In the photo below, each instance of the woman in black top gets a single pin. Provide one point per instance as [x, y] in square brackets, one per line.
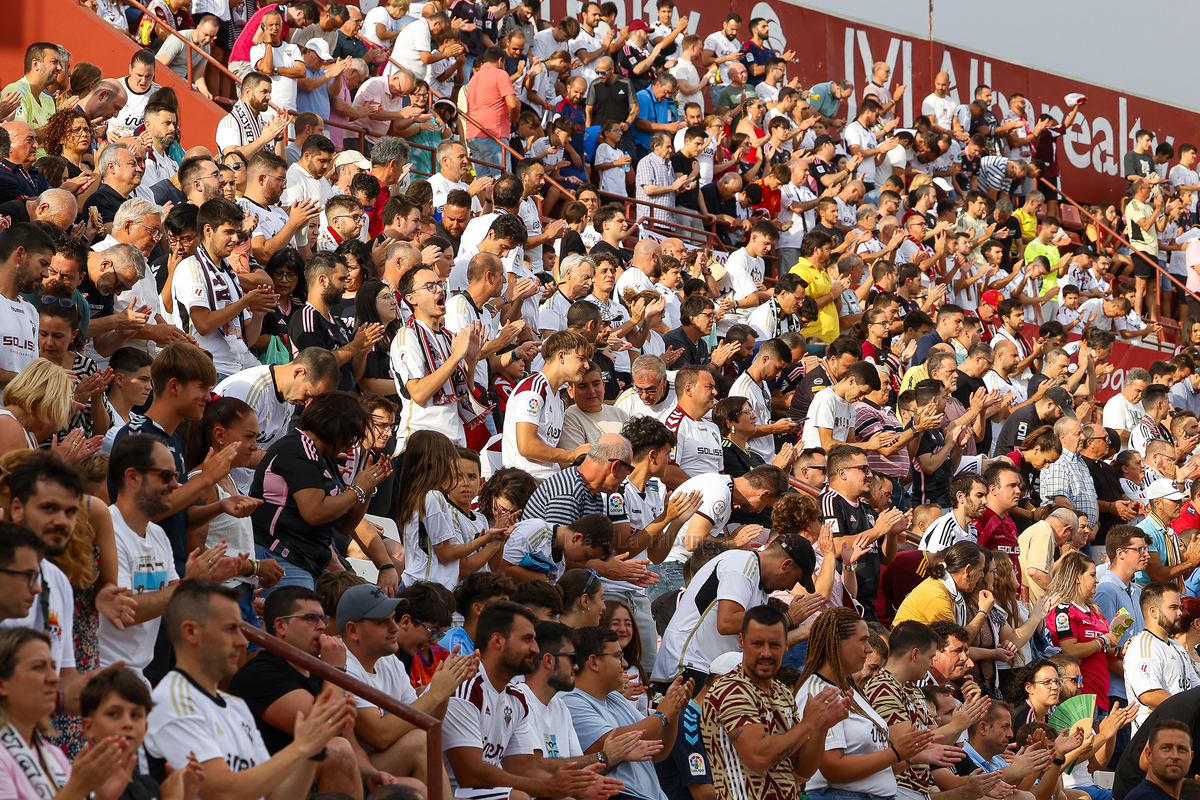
[286, 269]
[735, 419]
[360, 269]
[376, 302]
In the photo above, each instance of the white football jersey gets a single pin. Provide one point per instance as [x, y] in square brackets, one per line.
[533, 401]
[698, 449]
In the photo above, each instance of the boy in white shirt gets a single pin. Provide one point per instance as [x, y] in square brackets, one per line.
[610, 161]
[831, 416]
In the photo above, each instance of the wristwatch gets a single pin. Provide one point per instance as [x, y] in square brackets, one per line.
[602, 759]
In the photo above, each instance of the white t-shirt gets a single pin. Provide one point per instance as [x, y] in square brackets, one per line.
[420, 562]
[144, 564]
[389, 677]
[286, 55]
[61, 625]
[994, 383]
[1121, 414]
[533, 401]
[587, 42]
[414, 38]
[460, 312]
[686, 71]
[789, 195]
[760, 401]
[632, 404]
[378, 16]
[612, 180]
[722, 46]
[863, 733]
[133, 113]
[187, 719]
[940, 110]
[632, 279]
[301, 185]
[642, 507]
[443, 186]
[409, 362]
[691, 640]
[534, 536]
[499, 721]
[256, 388]
[945, 532]
[1153, 664]
[716, 505]
[532, 217]
[827, 411]
[19, 327]
[1095, 306]
[551, 723]
[1183, 176]
[271, 221]
[193, 289]
[698, 444]
[738, 283]
[855, 134]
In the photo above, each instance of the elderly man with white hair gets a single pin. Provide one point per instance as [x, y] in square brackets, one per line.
[56, 206]
[120, 175]
[1068, 482]
[576, 275]
[652, 393]
[387, 96]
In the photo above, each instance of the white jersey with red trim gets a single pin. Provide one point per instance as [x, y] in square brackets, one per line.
[716, 505]
[498, 721]
[698, 449]
[945, 532]
[533, 401]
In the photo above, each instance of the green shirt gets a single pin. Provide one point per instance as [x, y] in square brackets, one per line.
[36, 111]
[1035, 249]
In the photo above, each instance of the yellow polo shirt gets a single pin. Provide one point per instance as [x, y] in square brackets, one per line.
[826, 327]
[927, 603]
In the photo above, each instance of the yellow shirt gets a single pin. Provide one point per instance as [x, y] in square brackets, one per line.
[826, 327]
[927, 603]
[914, 376]
[1029, 226]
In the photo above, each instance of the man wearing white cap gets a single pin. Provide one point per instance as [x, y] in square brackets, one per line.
[348, 164]
[1168, 561]
[314, 90]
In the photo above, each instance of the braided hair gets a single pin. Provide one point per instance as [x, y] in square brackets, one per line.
[825, 639]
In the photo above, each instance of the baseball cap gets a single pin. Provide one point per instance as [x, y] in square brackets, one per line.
[992, 298]
[638, 25]
[725, 663]
[1085, 250]
[823, 140]
[1114, 438]
[1062, 399]
[365, 602]
[801, 551]
[1164, 489]
[352, 157]
[320, 47]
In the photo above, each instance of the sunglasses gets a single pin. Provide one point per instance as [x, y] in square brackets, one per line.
[65, 302]
[164, 475]
[622, 462]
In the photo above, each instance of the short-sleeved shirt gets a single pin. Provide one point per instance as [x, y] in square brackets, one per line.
[59, 620]
[263, 680]
[1036, 544]
[1155, 664]
[862, 733]
[564, 497]
[196, 285]
[485, 97]
[596, 718]
[900, 701]
[19, 327]
[531, 545]
[932, 488]
[37, 110]
[996, 533]
[850, 518]
[945, 532]
[310, 328]
[733, 702]
[698, 447]
[828, 410]
[284, 55]
[716, 506]
[293, 463]
[533, 401]
[1072, 621]
[689, 762]
[477, 716]
[411, 361]
[389, 677]
[175, 51]
[435, 526]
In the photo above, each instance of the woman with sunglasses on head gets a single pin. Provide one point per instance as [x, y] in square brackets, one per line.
[37, 403]
[1077, 625]
[58, 330]
[583, 598]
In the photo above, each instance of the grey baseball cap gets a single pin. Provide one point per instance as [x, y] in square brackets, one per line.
[365, 602]
[1062, 399]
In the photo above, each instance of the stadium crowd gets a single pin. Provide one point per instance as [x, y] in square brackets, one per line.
[659, 426]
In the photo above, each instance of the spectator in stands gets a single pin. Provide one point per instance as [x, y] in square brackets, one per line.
[43, 64]
[657, 181]
[244, 129]
[174, 53]
[495, 107]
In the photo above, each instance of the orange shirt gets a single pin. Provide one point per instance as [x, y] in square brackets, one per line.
[485, 99]
[770, 199]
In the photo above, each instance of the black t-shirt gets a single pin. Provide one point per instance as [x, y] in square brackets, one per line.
[291, 464]
[101, 304]
[967, 386]
[473, 40]
[850, 520]
[1037, 380]
[571, 244]
[16, 210]
[820, 168]
[106, 200]
[141, 787]
[1137, 164]
[608, 373]
[683, 166]
[713, 202]
[812, 383]
[1020, 424]
[694, 353]
[1013, 226]
[264, 679]
[1184, 707]
[275, 321]
[309, 328]
[933, 488]
[379, 367]
[612, 100]
[837, 236]
[604, 247]
[1108, 489]
[165, 192]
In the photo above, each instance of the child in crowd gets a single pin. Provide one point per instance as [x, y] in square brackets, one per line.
[611, 162]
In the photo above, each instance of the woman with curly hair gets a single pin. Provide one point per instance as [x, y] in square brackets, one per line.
[1034, 692]
[69, 134]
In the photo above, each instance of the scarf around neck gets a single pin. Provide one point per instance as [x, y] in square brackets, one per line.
[38, 766]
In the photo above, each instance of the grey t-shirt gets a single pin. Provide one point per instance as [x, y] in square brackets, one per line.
[1138, 164]
[175, 50]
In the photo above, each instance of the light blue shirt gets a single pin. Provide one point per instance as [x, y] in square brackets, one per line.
[594, 718]
[1112, 595]
[654, 110]
[317, 100]
[459, 637]
[994, 764]
[1159, 543]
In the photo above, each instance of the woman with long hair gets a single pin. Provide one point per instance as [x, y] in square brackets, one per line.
[32, 768]
[1040, 448]
[1034, 692]
[286, 269]
[1189, 334]
[798, 513]
[432, 549]
[860, 756]
[376, 302]
[37, 403]
[84, 77]
[58, 330]
[237, 162]
[360, 269]
[1077, 625]
[582, 594]
[1023, 619]
[618, 616]
[1189, 635]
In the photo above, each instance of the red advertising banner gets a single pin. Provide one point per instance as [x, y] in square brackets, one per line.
[832, 48]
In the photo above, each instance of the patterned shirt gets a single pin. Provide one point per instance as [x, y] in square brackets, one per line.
[654, 170]
[897, 702]
[733, 702]
[870, 419]
[1069, 477]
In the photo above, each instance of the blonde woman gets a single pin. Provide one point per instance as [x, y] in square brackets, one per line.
[37, 403]
[1078, 626]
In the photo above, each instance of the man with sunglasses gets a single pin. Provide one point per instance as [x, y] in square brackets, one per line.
[108, 274]
[144, 474]
[275, 689]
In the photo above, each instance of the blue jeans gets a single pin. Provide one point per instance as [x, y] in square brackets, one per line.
[292, 575]
[1096, 793]
[670, 579]
[795, 656]
[486, 149]
[899, 495]
[832, 793]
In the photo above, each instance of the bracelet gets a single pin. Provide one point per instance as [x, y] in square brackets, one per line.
[897, 752]
[385, 567]
[359, 492]
[660, 715]
[253, 568]
[1058, 762]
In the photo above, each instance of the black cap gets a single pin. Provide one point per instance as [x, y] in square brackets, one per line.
[1061, 398]
[823, 140]
[801, 551]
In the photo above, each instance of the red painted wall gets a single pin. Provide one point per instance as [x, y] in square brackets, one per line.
[91, 39]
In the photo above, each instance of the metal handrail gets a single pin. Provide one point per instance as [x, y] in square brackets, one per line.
[431, 725]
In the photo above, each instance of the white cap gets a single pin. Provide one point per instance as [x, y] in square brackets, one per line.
[1075, 99]
[352, 157]
[320, 47]
[725, 663]
[1164, 489]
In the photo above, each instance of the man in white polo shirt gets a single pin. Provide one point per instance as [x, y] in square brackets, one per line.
[306, 178]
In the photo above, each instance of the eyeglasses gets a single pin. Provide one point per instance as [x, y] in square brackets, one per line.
[346, 216]
[164, 475]
[155, 233]
[1139, 550]
[645, 391]
[236, 166]
[309, 619]
[570, 655]
[185, 240]
[866, 470]
[120, 284]
[80, 132]
[1051, 682]
[511, 512]
[815, 467]
[622, 462]
[433, 634]
[65, 302]
[32, 577]
[286, 276]
[1071, 678]
[432, 287]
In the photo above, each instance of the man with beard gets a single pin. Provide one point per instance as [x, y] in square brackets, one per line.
[554, 731]
[995, 527]
[968, 494]
[162, 125]
[316, 326]
[45, 496]
[243, 128]
[275, 689]
[25, 255]
[144, 472]
[489, 734]
[278, 227]
[1157, 666]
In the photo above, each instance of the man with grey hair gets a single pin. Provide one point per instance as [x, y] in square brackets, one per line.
[453, 166]
[1038, 545]
[656, 113]
[575, 275]
[388, 159]
[1067, 482]
[120, 174]
[399, 258]
[389, 94]
[1124, 409]
[108, 273]
[656, 180]
[652, 393]
[55, 206]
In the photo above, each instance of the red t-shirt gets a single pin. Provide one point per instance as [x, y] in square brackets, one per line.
[1188, 519]
[999, 534]
[907, 569]
[375, 224]
[770, 199]
[1069, 621]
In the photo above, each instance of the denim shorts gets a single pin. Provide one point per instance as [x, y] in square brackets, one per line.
[832, 793]
[670, 579]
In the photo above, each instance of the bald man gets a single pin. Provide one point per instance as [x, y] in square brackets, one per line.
[939, 106]
[674, 248]
[646, 267]
[102, 103]
[572, 107]
[612, 97]
[53, 205]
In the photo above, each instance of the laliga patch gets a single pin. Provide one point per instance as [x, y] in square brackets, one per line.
[696, 764]
[534, 403]
[1062, 620]
[616, 503]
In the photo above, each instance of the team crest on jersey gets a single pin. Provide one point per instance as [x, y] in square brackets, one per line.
[719, 508]
[507, 716]
[696, 764]
[818, 381]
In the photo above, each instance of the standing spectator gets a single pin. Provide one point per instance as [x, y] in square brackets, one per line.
[174, 53]
[589, 45]
[314, 89]
[414, 50]
[1124, 410]
[657, 181]
[1144, 221]
[282, 61]
[613, 98]
[876, 88]
[43, 65]
[332, 16]
[521, 20]
[1067, 482]
[825, 99]
[495, 106]
[244, 129]
[656, 113]
[861, 140]
[758, 53]
[382, 23]
[139, 85]
[687, 72]
[938, 106]
[1139, 163]
[723, 47]
[277, 227]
